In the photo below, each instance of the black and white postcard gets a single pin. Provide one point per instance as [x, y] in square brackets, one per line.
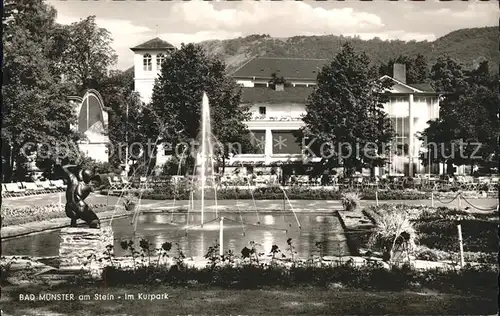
[250, 157]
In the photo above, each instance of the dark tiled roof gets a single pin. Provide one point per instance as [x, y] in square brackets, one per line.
[426, 87]
[155, 43]
[289, 68]
[268, 95]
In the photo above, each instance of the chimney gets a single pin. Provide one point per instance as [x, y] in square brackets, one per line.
[279, 87]
[399, 72]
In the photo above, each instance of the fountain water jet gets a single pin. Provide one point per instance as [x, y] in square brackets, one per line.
[206, 149]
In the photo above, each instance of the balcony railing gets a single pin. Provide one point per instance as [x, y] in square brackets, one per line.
[264, 117]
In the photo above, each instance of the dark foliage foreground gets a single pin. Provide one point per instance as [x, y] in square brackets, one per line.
[283, 269]
[368, 277]
[436, 228]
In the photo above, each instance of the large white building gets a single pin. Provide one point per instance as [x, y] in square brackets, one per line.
[276, 111]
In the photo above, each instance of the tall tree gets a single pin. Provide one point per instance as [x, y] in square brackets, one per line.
[345, 113]
[126, 119]
[176, 102]
[467, 128]
[87, 53]
[420, 70]
[34, 109]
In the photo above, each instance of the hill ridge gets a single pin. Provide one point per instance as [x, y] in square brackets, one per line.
[469, 46]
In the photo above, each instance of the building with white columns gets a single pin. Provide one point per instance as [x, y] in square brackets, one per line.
[276, 112]
[410, 107]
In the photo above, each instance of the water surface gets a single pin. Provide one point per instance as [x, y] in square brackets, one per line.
[239, 230]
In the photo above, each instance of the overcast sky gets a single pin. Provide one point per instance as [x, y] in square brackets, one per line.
[134, 22]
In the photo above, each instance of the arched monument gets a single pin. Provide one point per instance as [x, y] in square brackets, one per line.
[93, 123]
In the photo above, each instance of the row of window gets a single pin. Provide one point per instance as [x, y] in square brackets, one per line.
[148, 64]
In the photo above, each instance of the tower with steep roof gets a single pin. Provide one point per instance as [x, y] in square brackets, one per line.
[148, 58]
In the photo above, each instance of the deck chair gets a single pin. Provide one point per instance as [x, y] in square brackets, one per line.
[40, 187]
[59, 184]
[32, 188]
[493, 185]
[47, 186]
[5, 193]
[14, 190]
[118, 182]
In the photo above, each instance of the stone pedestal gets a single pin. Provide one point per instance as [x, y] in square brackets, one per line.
[83, 248]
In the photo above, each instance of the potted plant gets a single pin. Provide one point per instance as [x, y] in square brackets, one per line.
[350, 201]
[130, 202]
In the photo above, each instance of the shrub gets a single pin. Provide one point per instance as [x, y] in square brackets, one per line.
[350, 201]
[183, 191]
[248, 274]
[437, 232]
[393, 228]
[130, 201]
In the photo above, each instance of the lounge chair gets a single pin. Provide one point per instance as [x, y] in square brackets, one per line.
[5, 193]
[59, 184]
[14, 190]
[32, 188]
[47, 186]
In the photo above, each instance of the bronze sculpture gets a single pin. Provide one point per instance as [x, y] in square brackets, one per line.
[78, 189]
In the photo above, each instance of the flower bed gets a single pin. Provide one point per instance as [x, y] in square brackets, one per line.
[438, 236]
[250, 271]
[23, 215]
[276, 193]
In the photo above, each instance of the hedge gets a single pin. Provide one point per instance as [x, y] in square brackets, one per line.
[276, 193]
[23, 215]
[438, 235]
[248, 271]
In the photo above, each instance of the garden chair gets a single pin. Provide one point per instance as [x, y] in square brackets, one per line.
[417, 183]
[143, 183]
[260, 180]
[113, 185]
[14, 190]
[125, 182]
[493, 185]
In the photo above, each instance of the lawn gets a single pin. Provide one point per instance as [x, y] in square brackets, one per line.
[209, 300]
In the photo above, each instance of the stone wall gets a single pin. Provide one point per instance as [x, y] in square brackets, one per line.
[82, 247]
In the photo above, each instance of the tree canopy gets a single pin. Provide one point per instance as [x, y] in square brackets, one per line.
[345, 113]
[126, 117]
[38, 55]
[417, 68]
[466, 131]
[34, 107]
[87, 53]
